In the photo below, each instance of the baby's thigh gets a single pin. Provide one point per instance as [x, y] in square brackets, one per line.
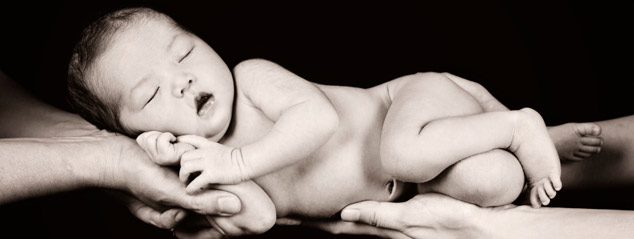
[492, 178]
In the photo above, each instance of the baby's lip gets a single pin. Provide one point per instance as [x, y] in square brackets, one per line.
[204, 102]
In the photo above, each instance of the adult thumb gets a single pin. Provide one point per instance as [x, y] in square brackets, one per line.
[378, 214]
[213, 202]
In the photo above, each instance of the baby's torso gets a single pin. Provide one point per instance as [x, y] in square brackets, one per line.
[346, 169]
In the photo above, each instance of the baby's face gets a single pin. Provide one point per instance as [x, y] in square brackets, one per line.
[166, 79]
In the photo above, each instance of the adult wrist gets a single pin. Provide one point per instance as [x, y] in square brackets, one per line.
[111, 172]
[476, 222]
[494, 222]
[85, 159]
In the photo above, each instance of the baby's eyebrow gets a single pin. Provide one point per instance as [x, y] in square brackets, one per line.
[171, 44]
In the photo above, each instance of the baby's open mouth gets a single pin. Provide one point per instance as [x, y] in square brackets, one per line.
[204, 101]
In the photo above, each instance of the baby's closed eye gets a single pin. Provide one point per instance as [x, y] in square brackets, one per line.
[390, 186]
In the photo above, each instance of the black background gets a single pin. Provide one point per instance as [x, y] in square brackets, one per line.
[571, 61]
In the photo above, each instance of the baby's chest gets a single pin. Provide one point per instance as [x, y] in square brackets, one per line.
[248, 125]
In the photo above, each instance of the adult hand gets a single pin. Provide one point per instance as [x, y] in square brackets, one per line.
[197, 227]
[424, 216]
[158, 188]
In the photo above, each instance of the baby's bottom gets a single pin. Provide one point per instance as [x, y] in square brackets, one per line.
[493, 178]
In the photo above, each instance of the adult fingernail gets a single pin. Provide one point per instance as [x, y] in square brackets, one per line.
[179, 216]
[230, 205]
[350, 215]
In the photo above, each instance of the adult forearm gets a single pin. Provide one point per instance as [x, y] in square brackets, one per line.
[526, 222]
[35, 167]
[25, 116]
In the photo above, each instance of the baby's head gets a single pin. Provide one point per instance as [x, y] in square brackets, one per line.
[137, 70]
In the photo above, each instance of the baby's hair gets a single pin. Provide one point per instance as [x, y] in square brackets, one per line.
[94, 41]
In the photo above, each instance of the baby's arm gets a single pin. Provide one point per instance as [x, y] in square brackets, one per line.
[304, 117]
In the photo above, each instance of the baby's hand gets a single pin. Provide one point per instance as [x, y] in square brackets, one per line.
[162, 147]
[216, 163]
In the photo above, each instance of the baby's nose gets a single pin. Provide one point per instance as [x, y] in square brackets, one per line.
[182, 86]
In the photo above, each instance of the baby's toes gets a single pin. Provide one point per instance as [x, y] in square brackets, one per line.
[550, 191]
[588, 129]
[581, 155]
[535, 202]
[589, 149]
[543, 198]
[555, 179]
[592, 141]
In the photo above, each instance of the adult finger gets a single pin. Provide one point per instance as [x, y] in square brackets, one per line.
[378, 214]
[214, 202]
[341, 227]
[166, 219]
[284, 221]
[201, 233]
[195, 140]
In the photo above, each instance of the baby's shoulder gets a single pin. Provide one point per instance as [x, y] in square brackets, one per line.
[254, 67]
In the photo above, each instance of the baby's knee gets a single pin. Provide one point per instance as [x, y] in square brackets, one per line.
[493, 178]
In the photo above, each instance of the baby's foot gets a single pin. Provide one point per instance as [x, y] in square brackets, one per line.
[538, 156]
[576, 141]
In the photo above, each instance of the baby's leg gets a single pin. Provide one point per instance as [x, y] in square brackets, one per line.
[576, 141]
[432, 124]
[614, 166]
[536, 152]
[493, 178]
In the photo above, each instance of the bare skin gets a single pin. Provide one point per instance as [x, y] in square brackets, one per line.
[614, 166]
[576, 141]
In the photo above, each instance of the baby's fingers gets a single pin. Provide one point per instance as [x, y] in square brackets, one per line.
[166, 152]
[189, 167]
[164, 142]
[147, 140]
[181, 148]
[198, 184]
[195, 140]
